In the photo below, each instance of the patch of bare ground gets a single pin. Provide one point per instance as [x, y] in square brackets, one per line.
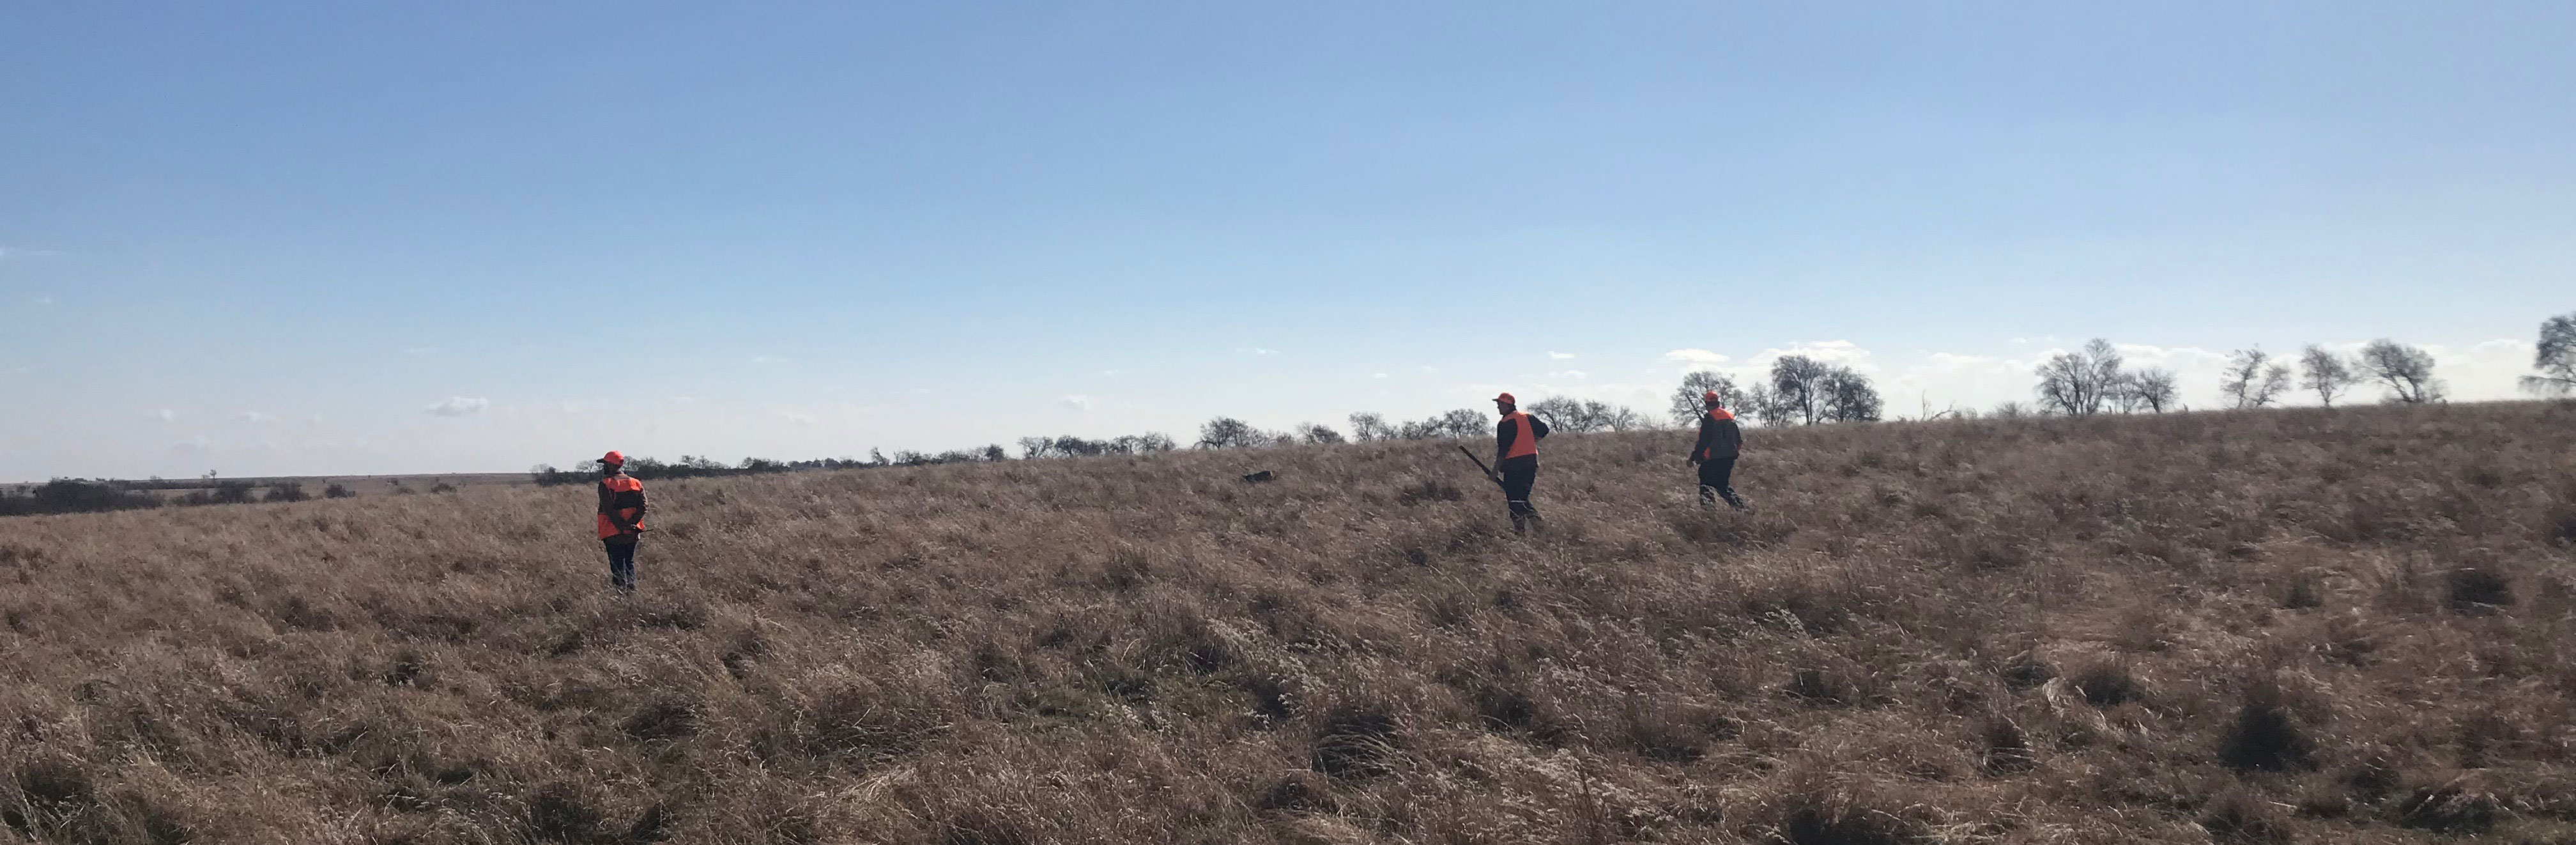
[2285, 626]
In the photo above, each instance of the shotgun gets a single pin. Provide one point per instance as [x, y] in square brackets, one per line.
[1480, 465]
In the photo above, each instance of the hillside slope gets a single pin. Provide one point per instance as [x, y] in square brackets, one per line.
[2346, 626]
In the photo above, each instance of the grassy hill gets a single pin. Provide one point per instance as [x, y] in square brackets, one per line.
[2301, 625]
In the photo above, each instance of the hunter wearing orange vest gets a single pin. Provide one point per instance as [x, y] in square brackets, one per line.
[1720, 440]
[1516, 459]
[621, 519]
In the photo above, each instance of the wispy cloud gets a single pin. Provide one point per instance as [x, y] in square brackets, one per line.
[255, 417]
[1560, 356]
[768, 359]
[162, 414]
[1377, 375]
[797, 417]
[458, 406]
[1256, 350]
[9, 252]
[1572, 374]
[1694, 356]
[44, 301]
[1077, 402]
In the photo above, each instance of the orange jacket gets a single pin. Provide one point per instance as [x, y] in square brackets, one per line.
[622, 496]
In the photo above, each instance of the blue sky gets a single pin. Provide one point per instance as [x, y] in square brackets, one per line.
[357, 238]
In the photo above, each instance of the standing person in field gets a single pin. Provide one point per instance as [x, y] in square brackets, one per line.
[1516, 459]
[621, 519]
[1720, 440]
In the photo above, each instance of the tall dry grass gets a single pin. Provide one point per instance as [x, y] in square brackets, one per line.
[2324, 626]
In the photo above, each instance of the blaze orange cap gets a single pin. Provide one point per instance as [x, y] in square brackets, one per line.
[1711, 397]
[613, 458]
[1507, 398]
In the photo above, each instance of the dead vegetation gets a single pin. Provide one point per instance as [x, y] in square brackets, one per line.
[2321, 626]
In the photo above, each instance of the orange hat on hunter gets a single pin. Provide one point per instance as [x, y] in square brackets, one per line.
[1507, 398]
[1711, 397]
[613, 458]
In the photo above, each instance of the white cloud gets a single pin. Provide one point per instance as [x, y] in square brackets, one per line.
[1377, 375]
[256, 417]
[8, 252]
[44, 300]
[1077, 402]
[1572, 374]
[164, 415]
[1695, 356]
[1560, 356]
[1256, 350]
[458, 406]
[767, 359]
[797, 417]
[682, 400]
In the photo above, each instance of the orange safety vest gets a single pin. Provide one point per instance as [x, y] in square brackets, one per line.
[1524, 442]
[1720, 415]
[620, 485]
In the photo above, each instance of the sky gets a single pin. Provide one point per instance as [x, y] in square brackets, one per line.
[334, 238]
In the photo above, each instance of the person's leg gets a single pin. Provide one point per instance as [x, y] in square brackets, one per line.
[1711, 479]
[621, 564]
[1723, 478]
[1518, 477]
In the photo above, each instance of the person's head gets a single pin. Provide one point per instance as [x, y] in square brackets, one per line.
[1714, 401]
[612, 463]
[1505, 403]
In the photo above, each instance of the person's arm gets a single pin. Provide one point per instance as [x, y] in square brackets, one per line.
[1538, 427]
[1707, 438]
[607, 501]
[1731, 435]
[1504, 435]
[643, 502]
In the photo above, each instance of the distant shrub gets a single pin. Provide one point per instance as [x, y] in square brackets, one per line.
[73, 495]
[291, 491]
[442, 487]
[337, 491]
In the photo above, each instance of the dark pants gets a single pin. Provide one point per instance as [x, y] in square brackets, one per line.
[1714, 477]
[621, 564]
[1519, 474]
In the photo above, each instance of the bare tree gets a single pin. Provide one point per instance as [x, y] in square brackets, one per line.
[1763, 405]
[1624, 418]
[1565, 413]
[1849, 397]
[2555, 360]
[2405, 370]
[1465, 422]
[1795, 382]
[2009, 410]
[2252, 380]
[1231, 433]
[1688, 403]
[2080, 383]
[2154, 389]
[2326, 373]
[1317, 435]
[1370, 427]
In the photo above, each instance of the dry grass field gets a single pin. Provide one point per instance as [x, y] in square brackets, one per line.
[2282, 626]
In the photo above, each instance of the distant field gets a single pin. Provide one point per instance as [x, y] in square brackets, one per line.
[362, 485]
[2355, 625]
